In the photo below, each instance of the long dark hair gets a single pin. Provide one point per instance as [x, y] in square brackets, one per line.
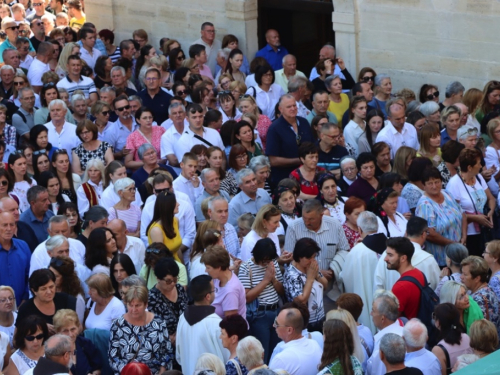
[236, 131]
[4, 173]
[43, 102]
[450, 329]
[229, 67]
[43, 180]
[71, 283]
[339, 344]
[65, 206]
[35, 132]
[172, 59]
[69, 173]
[373, 113]
[95, 253]
[127, 265]
[13, 157]
[164, 213]
[142, 59]
[36, 171]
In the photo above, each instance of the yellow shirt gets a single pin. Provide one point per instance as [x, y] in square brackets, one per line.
[338, 109]
[152, 280]
[77, 22]
[434, 161]
[172, 244]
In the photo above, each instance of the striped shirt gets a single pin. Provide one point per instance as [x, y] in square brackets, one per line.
[268, 296]
[85, 84]
[330, 237]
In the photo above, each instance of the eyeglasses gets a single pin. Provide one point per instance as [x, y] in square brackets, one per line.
[24, 48]
[152, 250]
[17, 83]
[427, 232]
[484, 252]
[41, 336]
[37, 4]
[122, 108]
[170, 282]
[13, 28]
[181, 57]
[40, 152]
[333, 136]
[151, 79]
[367, 79]
[245, 96]
[37, 23]
[10, 299]
[225, 92]
[105, 113]
[181, 92]
[432, 96]
[55, 262]
[130, 190]
[241, 157]
[276, 325]
[4, 183]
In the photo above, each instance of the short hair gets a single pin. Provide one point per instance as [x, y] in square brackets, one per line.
[393, 347]
[365, 158]
[494, 248]
[77, 4]
[417, 167]
[138, 368]
[451, 149]
[216, 257]
[189, 156]
[55, 242]
[305, 248]
[328, 81]
[466, 131]
[137, 292]
[56, 102]
[379, 78]
[259, 162]
[402, 246]
[102, 284]
[415, 334]
[453, 88]
[416, 226]
[34, 192]
[29, 326]
[456, 252]
[264, 249]
[449, 292]
[217, 198]
[468, 158]
[351, 302]
[234, 325]
[295, 83]
[85, 124]
[107, 34]
[483, 336]
[368, 222]
[165, 267]
[7, 67]
[307, 148]
[40, 278]
[448, 111]
[122, 183]
[200, 287]
[64, 317]
[176, 105]
[250, 352]
[429, 107]
[133, 280]
[143, 148]
[245, 172]
[477, 267]
[261, 70]
[209, 363]
[387, 305]
[195, 50]
[266, 212]
[61, 346]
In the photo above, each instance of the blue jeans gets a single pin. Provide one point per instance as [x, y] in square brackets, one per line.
[262, 329]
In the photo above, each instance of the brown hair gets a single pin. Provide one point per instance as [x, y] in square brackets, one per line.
[90, 126]
[468, 158]
[352, 303]
[355, 100]
[485, 107]
[483, 336]
[477, 267]
[472, 98]
[198, 247]
[216, 257]
[352, 203]
[424, 137]
[339, 344]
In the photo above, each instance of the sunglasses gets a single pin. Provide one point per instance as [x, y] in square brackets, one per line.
[18, 83]
[181, 57]
[41, 336]
[245, 96]
[432, 96]
[152, 250]
[40, 152]
[13, 28]
[105, 113]
[367, 79]
[225, 92]
[122, 108]
[49, 84]
[181, 92]
[4, 182]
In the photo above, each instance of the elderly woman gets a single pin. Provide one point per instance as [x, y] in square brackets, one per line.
[414, 189]
[352, 208]
[121, 267]
[115, 171]
[262, 168]
[339, 102]
[449, 163]
[28, 339]
[267, 93]
[348, 173]
[90, 191]
[8, 312]
[208, 364]
[233, 329]
[390, 222]
[450, 118]
[101, 111]
[124, 209]
[245, 223]
[383, 88]
[88, 358]
[455, 253]
[431, 111]
[104, 306]
[147, 154]
[128, 282]
[250, 353]
[139, 335]
[367, 184]
[447, 223]
[263, 282]
[147, 133]
[327, 186]
[155, 252]
[90, 148]
[307, 174]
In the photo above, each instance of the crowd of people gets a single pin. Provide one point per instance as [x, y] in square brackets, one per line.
[186, 210]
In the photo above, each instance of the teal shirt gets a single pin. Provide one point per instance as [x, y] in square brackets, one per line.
[8, 45]
[331, 117]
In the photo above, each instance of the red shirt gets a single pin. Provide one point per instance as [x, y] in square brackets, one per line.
[409, 294]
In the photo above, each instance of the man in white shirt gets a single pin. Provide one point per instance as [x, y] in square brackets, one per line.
[188, 182]
[178, 125]
[327, 52]
[296, 87]
[212, 45]
[132, 246]
[40, 65]
[415, 336]
[61, 134]
[289, 71]
[299, 355]
[397, 132]
[89, 53]
[218, 210]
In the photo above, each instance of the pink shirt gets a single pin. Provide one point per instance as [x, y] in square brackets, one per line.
[263, 124]
[205, 71]
[136, 140]
[230, 297]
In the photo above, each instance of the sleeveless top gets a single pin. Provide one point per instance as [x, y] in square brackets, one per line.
[172, 244]
[22, 362]
[86, 155]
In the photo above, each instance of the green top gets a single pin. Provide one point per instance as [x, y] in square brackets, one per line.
[335, 368]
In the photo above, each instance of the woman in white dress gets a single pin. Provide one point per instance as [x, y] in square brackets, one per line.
[390, 222]
[8, 312]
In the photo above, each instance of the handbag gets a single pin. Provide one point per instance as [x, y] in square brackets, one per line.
[252, 307]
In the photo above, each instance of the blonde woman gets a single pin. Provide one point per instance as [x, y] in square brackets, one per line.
[430, 142]
[68, 50]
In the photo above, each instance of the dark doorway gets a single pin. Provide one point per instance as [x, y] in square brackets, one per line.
[304, 27]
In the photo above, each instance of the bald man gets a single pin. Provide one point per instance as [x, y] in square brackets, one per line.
[289, 70]
[273, 52]
[132, 246]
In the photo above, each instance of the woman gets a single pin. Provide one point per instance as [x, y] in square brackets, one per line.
[168, 299]
[285, 200]
[245, 223]
[307, 174]
[417, 119]
[471, 99]
[121, 267]
[124, 209]
[348, 173]
[430, 142]
[40, 141]
[453, 339]
[164, 227]
[471, 192]
[88, 358]
[238, 89]
[160, 62]
[262, 168]
[262, 279]
[227, 181]
[383, 89]
[70, 210]
[352, 208]
[491, 98]
[366, 185]
[175, 58]
[67, 280]
[147, 154]
[90, 191]
[374, 123]
[101, 111]
[229, 292]
[356, 126]
[238, 159]
[390, 222]
[8, 312]
[139, 335]
[100, 249]
[28, 339]
[455, 253]
[449, 165]
[492, 256]
[27, 151]
[267, 93]
[19, 83]
[102, 70]
[414, 189]
[70, 182]
[103, 306]
[22, 182]
[95, 217]
[49, 92]
[233, 329]
[382, 153]
[69, 49]
[142, 65]
[447, 224]
[338, 353]
[56, 197]
[428, 93]
[393, 180]
[249, 105]
[492, 156]
[6, 185]
[234, 63]
[8, 131]
[431, 111]
[402, 161]
[46, 301]
[147, 133]
[41, 163]
[327, 195]
[243, 134]
[450, 118]
[304, 283]
[201, 153]
[316, 123]
[113, 172]
[339, 102]
[367, 75]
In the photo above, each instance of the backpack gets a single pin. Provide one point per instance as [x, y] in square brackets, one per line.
[428, 301]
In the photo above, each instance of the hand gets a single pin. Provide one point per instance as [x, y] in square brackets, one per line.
[445, 272]
[270, 272]
[195, 181]
[286, 257]
[341, 63]
[126, 151]
[407, 215]
[328, 274]
[328, 66]
[484, 220]
[486, 173]
[313, 269]
[463, 240]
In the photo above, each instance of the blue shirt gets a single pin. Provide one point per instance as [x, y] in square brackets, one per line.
[231, 241]
[159, 104]
[15, 267]
[274, 58]
[197, 207]
[444, 137]
[116, 134]
[99, 45]
[39, 227]
[282, 141]
[242, 203]
[424, 360]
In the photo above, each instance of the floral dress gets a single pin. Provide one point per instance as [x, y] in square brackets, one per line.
[351, 235]
[263, 124]
[307, 187]
[494, 284]
[136, 139]
[488, 302]
[412, 194]
[169, 311]
[229, 185]
[231, 367]
[85, 155]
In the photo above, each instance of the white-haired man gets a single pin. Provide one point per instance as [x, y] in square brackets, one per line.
[289, 70]
[61, 133]
[415, 336]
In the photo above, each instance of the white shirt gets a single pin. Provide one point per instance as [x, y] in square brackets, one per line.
[169, 139]
[104, 320]
[375, 365]
[298, 357]
[396, 229]
[266, 101]
[136, 250]
[167, 124]
[41, 259]
[407, 137]
[90, 58]
[26, 63]
[185, 186]
[83, 202]
[35, 72]
[425, 361]
[109, 197]
[188, 140]
[251, 239]
[302, 110]
[250, 80]
[66, 139]
[352, 132]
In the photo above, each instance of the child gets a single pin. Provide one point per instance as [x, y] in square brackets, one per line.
[188, 182]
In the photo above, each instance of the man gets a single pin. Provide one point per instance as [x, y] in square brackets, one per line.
[361, 262]
[127, 50]
[199, 54]
[330, 237]
[38, 215]
[60, 356]
[40, 65]
[212, 45]
[185, 216]
[320, 104]
[61, 133]
[58, 226]
[75, 81]
[89, 53]
[201, 322]
[119, 81]
[57, 6]
[11, 29]
[299, 355]
[11, 57]
[140, 36]
[132, 246]
[273, 52]
[177, 118]
[39, 8]
[99, 44]
[363, 89]
[62, 20]
[24, 118]
[415, 337]
[284, 137]
[108, 95]
[464, 111]
[75, 11]
[154, 97]
[392, 354]
[296, 87]
[117, 134]
[23, 231]
[467, 135]
[330, 152]
[38, 30]
[48, 23]
[196, 133]
[328, 52]
[397, 132]
[14, 259]
[7, 73]
[454, 93]
[218, 210]
[23, 47]
[282, 76]
[417, 231]
[250, 199]
[135, 104]
[210, 180]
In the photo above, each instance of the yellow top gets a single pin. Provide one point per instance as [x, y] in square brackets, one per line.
[338, 109]
[77, 22]
[152, 280]
[172, 244]
[436, 160]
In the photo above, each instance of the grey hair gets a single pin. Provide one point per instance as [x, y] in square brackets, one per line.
[368, 222]
[34, 192]
[134, 98]
[57, 345]
[247, 219]
[95, 213]
[449, 291]
[385, 293]
[245, 172]
[329, 46]
[296, 83]
[249, 352]
[415, 334]
[205, 171]
[345, 160]
[118, 68]
[8, 67]
[175, 105]
[428, 108]
[75, 98]
[286, 96]
[24, 89]
[217, 198]
[123, 183]
[466, 131]
[108, 89]
[133, 280]
[93, 163]
[55, 242]
[453, 88]
[224, 52]
[387, 307]
[329, 80]
[209, 361]
[311, 205]
[60, 102]
[414, 105]
[327, 126]
[143, 148]
[259, 162]
[393, 347]
[57, 219]
[456, 252]
[379, 78]
[265, 371]
[285, 57]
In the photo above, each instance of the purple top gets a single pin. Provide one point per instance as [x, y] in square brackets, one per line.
[230, 297]
[361, 189]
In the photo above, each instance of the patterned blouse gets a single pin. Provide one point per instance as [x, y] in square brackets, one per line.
[335, 368]
[494, 284]
[412, 194]
[488, 302]
[307, 187]
[169, 311]
[10, 135]
[231, 367]
[263, 124]
[445, 173]
[351, 235]
[229, 185]
[85, 155]
[136, 139]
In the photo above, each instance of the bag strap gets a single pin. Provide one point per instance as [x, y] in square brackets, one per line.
[413, 280]
[365, 345]
[254, 92]
[203, 140]
[250, 274]
[116, 212]
[447, 355]
[236, 365]
[470, 196]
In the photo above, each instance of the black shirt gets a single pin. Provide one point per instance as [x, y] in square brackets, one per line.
[331, 160]
[61, 300]
[36, 43]
[159, 104]
[406, 371]
[25, 233]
